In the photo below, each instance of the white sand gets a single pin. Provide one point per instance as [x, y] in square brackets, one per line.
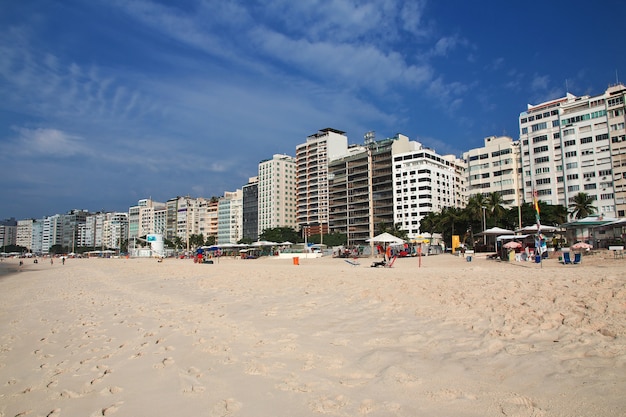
[264, 337]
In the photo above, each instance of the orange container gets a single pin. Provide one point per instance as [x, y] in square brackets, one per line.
[296, 260]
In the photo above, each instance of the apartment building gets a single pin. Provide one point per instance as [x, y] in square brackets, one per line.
[250, 193]
[24, 234]
[495, 167]
[425, 182]
[277, 193]
[312, 158]
[616, 113]
[361, 198]
[572, 145]
[230, 217]
[8, 232]
[115, 230]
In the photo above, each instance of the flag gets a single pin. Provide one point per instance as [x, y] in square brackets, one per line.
[537, 211]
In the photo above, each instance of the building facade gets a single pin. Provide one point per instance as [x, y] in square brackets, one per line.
[424, 182]
[230, 218]
[277, 193]
[250, 193]
[312, 158]
[576, 144]
[496, 167]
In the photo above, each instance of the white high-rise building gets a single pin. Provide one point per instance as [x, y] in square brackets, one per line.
[496, 167]
[572, 145]
[277, 193]
[24, 236]
[424, 182]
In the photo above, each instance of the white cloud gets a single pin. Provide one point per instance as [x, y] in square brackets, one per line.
[47, 142]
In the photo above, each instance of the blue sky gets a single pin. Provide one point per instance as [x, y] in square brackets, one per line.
[105, 102]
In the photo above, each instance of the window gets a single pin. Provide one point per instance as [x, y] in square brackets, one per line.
[570, 154]
[542, 159]
[569, 143]
[603, 136]
[573, 188]
[555, 123]
[524, 130]
[618, 126]
[539, 126]
[572, 177]
[568, 132]
[590, 186]
[571, 165]
[540, 149]
[541, 138]
[586, 140]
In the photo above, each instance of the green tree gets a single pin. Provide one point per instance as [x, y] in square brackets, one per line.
[56, 249]
[582, 205]
[394, 229]
[281, 234]
[494, 207]
[210, 240]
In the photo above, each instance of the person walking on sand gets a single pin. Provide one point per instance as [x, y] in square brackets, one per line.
[63, 260]
[51, 260]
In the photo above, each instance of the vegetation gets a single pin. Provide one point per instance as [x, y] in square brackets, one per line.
[281, 234]
[582, 205]
[468, 221]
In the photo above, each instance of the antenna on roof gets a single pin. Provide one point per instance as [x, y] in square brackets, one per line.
[566, 86]
[616, 77]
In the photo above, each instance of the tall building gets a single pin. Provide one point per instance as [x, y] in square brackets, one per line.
[51, 233]
[575, 144]
[147, 217]
[496, 167]
[8, 232]
[616, 113]
[312, 159]
[425, 182]
[250, 193]
[230, 217]
[24, 235]
[361, 188]
[277, 193]
[115, 230]
[37, 236]
[171, 207]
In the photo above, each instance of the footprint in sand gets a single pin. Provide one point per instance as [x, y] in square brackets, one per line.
[165, 363]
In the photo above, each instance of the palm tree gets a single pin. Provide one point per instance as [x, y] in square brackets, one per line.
[494, 205]
[582, 205]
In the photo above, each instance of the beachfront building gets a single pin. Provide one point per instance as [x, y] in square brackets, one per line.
[312, 158]
[230, 218]
[171, 214]
[90, 233]
[576, 144]
[615, 97]
[360, 182]
[8, 232]
[24, 233]
[52, 232]
[250, 193]
[277, 193]
[425, 182]
[37, 236]
[147, 217]
[115, 230]
[495, 168]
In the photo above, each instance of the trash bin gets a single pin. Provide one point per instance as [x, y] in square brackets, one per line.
[469, 259]
[296, 260]
[537, 259]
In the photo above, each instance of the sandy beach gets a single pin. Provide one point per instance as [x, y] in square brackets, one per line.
[264, 337]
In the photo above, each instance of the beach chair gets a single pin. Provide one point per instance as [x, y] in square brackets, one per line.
[577, 258]
[566, 258]
[353, 263]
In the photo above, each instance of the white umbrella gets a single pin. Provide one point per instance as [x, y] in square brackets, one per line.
[495, 231]
[533, 229]
[385, 238]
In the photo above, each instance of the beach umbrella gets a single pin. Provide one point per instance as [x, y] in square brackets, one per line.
[533, 229]
[495, 231]
[581, 245]
[512, 245]
[386, 238]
